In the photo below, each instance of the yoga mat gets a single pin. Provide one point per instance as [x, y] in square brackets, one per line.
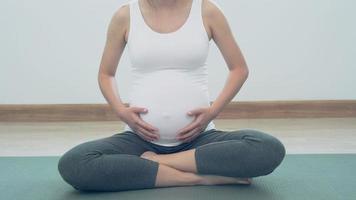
[309, 177]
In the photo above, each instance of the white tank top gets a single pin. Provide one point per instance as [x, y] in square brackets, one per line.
[169, 72]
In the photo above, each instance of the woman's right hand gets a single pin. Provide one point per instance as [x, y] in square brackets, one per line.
[131, 115]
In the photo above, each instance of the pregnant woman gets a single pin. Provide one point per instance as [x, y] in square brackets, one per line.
[170, 138]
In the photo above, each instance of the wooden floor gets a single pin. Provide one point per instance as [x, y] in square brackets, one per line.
[300, 135]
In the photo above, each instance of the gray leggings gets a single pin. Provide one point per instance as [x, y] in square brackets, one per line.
[114, 163]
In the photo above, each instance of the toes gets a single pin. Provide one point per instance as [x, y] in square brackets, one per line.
[246, 181]
[148, 154]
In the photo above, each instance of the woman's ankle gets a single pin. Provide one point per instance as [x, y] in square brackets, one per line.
[217, 180]
[193, 179]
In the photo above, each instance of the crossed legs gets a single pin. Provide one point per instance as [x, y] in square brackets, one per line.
[224, 157]
[171, 170]
[114, 163]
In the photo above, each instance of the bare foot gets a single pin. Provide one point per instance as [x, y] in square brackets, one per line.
[149, 155]
[216, 180]
[205, 179]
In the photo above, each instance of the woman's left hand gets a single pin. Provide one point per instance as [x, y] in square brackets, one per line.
[203, 116]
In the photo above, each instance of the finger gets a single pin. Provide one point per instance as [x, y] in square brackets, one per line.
[141, 135]
[184, 129]
[191, 135]
[187, 134]
[146, 125]
[149, 133]
[144, 133]
[195, 111]
[188, 128]
[139, 109]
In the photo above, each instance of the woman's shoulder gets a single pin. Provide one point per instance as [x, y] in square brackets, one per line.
[121, 19]
[213, 16]
[122, 13]
[211, 9]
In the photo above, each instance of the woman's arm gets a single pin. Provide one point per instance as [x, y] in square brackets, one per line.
[221, 34]
[114, 47]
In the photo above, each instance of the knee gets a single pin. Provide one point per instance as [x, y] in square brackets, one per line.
[275, 153]
[70, 168]
[271, 150]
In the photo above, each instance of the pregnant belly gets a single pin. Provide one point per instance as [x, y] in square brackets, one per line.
[168, 96]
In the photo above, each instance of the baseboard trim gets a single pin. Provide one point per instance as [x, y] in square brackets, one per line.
[234, 110]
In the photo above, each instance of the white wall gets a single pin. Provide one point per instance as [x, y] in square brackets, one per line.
[295, 49]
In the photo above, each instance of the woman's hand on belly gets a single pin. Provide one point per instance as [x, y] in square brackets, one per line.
[203, 116]
[131, 116]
